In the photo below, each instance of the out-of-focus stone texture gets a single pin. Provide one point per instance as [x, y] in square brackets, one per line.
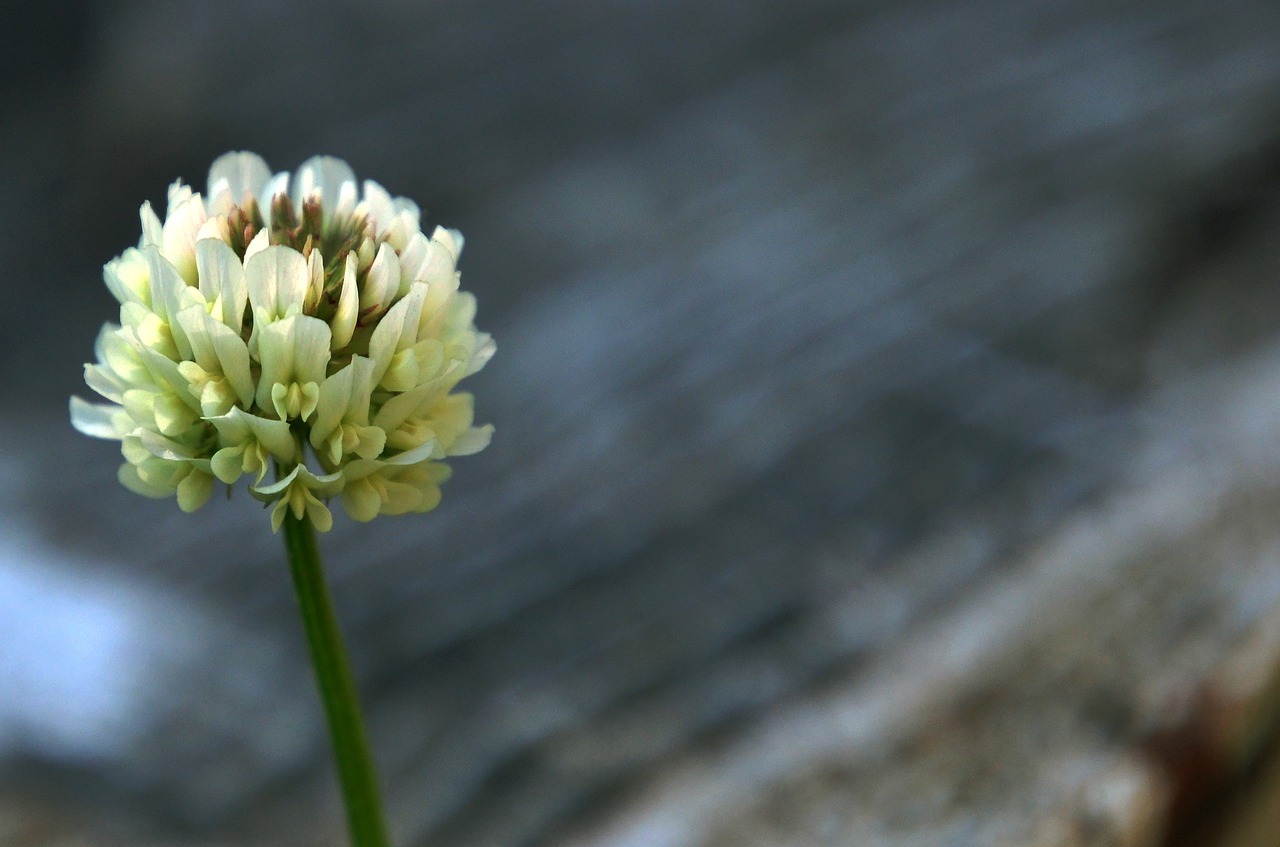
[887, 401]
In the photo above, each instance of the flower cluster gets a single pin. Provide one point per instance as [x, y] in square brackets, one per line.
[303, 325]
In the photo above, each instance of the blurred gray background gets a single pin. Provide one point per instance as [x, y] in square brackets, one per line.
[887, 400]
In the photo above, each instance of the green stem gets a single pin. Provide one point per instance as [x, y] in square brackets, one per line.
[337, 691]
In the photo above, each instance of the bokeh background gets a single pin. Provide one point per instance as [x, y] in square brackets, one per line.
[887, 402]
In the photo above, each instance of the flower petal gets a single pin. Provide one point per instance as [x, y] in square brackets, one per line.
[218, 349]
[315, 282]
[485, 348]
[233, 357]
[382, 283]
[472, 441]
[179, 235]
[335, 397]
[169, 293]
[194, 490]
[105, 382]
[397, 330]
[361, 468]
[235, 176]
[343, 321]
[326, 485]
[130, 479]
[277, 281]
[237, 426]
[343, 396]
[292, 351]
[152, 229]
[128, 278]
[100, 420]
[400, 407]
[361, 500]
[451, 239]
[328, 178]
[257, 244]
[222, 281]
[277, 185]
[378, 204]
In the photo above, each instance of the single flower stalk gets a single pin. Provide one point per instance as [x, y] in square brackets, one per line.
[304, 324]
[305, 334]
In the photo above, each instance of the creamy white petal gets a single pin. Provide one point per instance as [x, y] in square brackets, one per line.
[161, 473]
[301, 489]
[343, 396]
[396, 331]
[236, 426]
[414, 259]
[361, 468]
[451, 239]
[145, 329]
[292, 351]
[178, 193]
[346, 205]
[344, 317]
[164, 448]
[152, 229]
[215, 227]
[223, 281]
[408, 208]
[121, 356]
[105, 383]
[311, 338]
[277, 282]
[130, 479]
[173, 414]
[192, 320]
[275, 352]
[170, 294]
[484, 351]
[178, 239]
[238, 174]
[230, 463]
[400, 407]
[315, 283]
[218, 348]
[133, 451]
[378, 205]
[460, 314]
[261, 241]
[381, 284]
[335, 396]
[277, 185]
[280, 484]
[324, 177]
[402, 228]
[100, 420]
[233, 356]
[168, 378]
[128, 278]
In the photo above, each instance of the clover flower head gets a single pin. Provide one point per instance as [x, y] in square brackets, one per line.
[301, 331]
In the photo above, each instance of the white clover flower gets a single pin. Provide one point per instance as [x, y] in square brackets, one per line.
[303, 328]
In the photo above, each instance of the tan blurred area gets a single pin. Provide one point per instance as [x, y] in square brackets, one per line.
[887, 407]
